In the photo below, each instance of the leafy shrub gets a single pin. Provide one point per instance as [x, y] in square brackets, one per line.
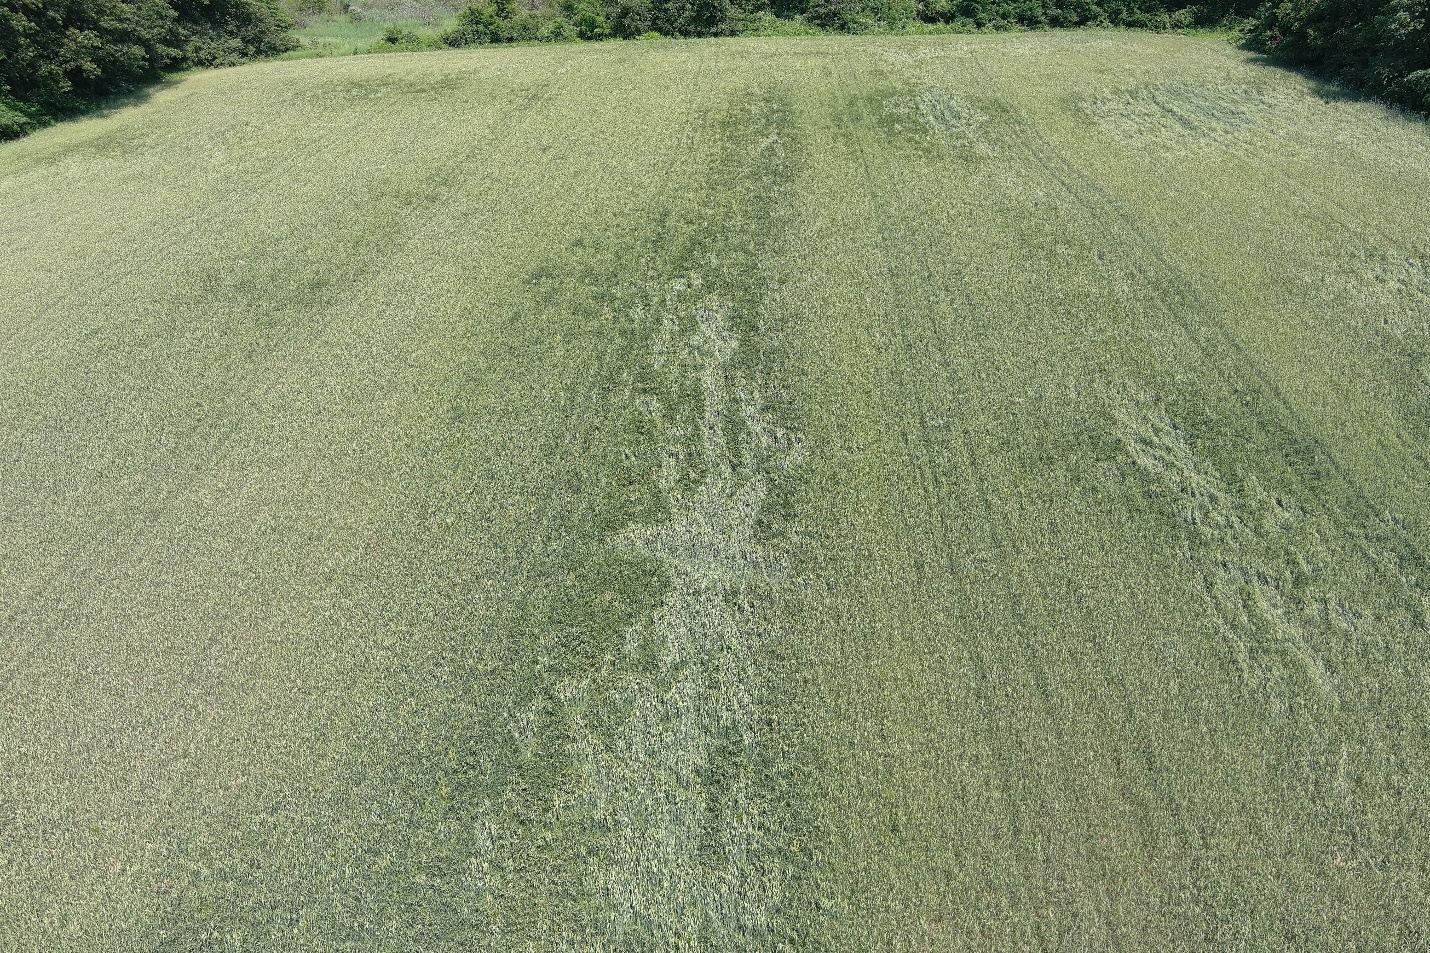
[235, 30]
[588, 19]
[476, 23]
[1382, 46]
[60, 56]
[1414, 88]
[400, 36]
[861, 16]
[765, 23]
[525, 26]
[636, 18]
[503, 21]
[560, 30]
[16, 119]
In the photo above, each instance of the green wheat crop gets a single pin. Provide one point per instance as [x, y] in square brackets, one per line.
[849, 493]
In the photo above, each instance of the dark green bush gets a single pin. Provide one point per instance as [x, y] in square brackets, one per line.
[631, 19]
[400, 38]
[16, 118]
[1381, 46]
[60, 56]
[858, 16]
[765, 23]
[477, 23]
[588, 19]
[503, 21]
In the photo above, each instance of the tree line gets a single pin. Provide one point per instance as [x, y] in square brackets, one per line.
[1379, 46]
[496, 21]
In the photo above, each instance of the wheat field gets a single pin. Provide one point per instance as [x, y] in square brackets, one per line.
[860, 493]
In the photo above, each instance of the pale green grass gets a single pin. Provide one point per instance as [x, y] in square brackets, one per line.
[910, 493]
[342, 34]
[333, 35]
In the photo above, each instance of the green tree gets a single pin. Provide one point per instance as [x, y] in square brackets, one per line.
[58, 56]
[1382, 46]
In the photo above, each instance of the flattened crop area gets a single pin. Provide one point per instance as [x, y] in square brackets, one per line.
[913, 493]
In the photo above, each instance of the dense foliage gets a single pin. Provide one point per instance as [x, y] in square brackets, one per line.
[496, 21]
[57, 56]
[1382, 46]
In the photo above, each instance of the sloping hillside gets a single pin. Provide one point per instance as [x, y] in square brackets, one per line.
[833, 493]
